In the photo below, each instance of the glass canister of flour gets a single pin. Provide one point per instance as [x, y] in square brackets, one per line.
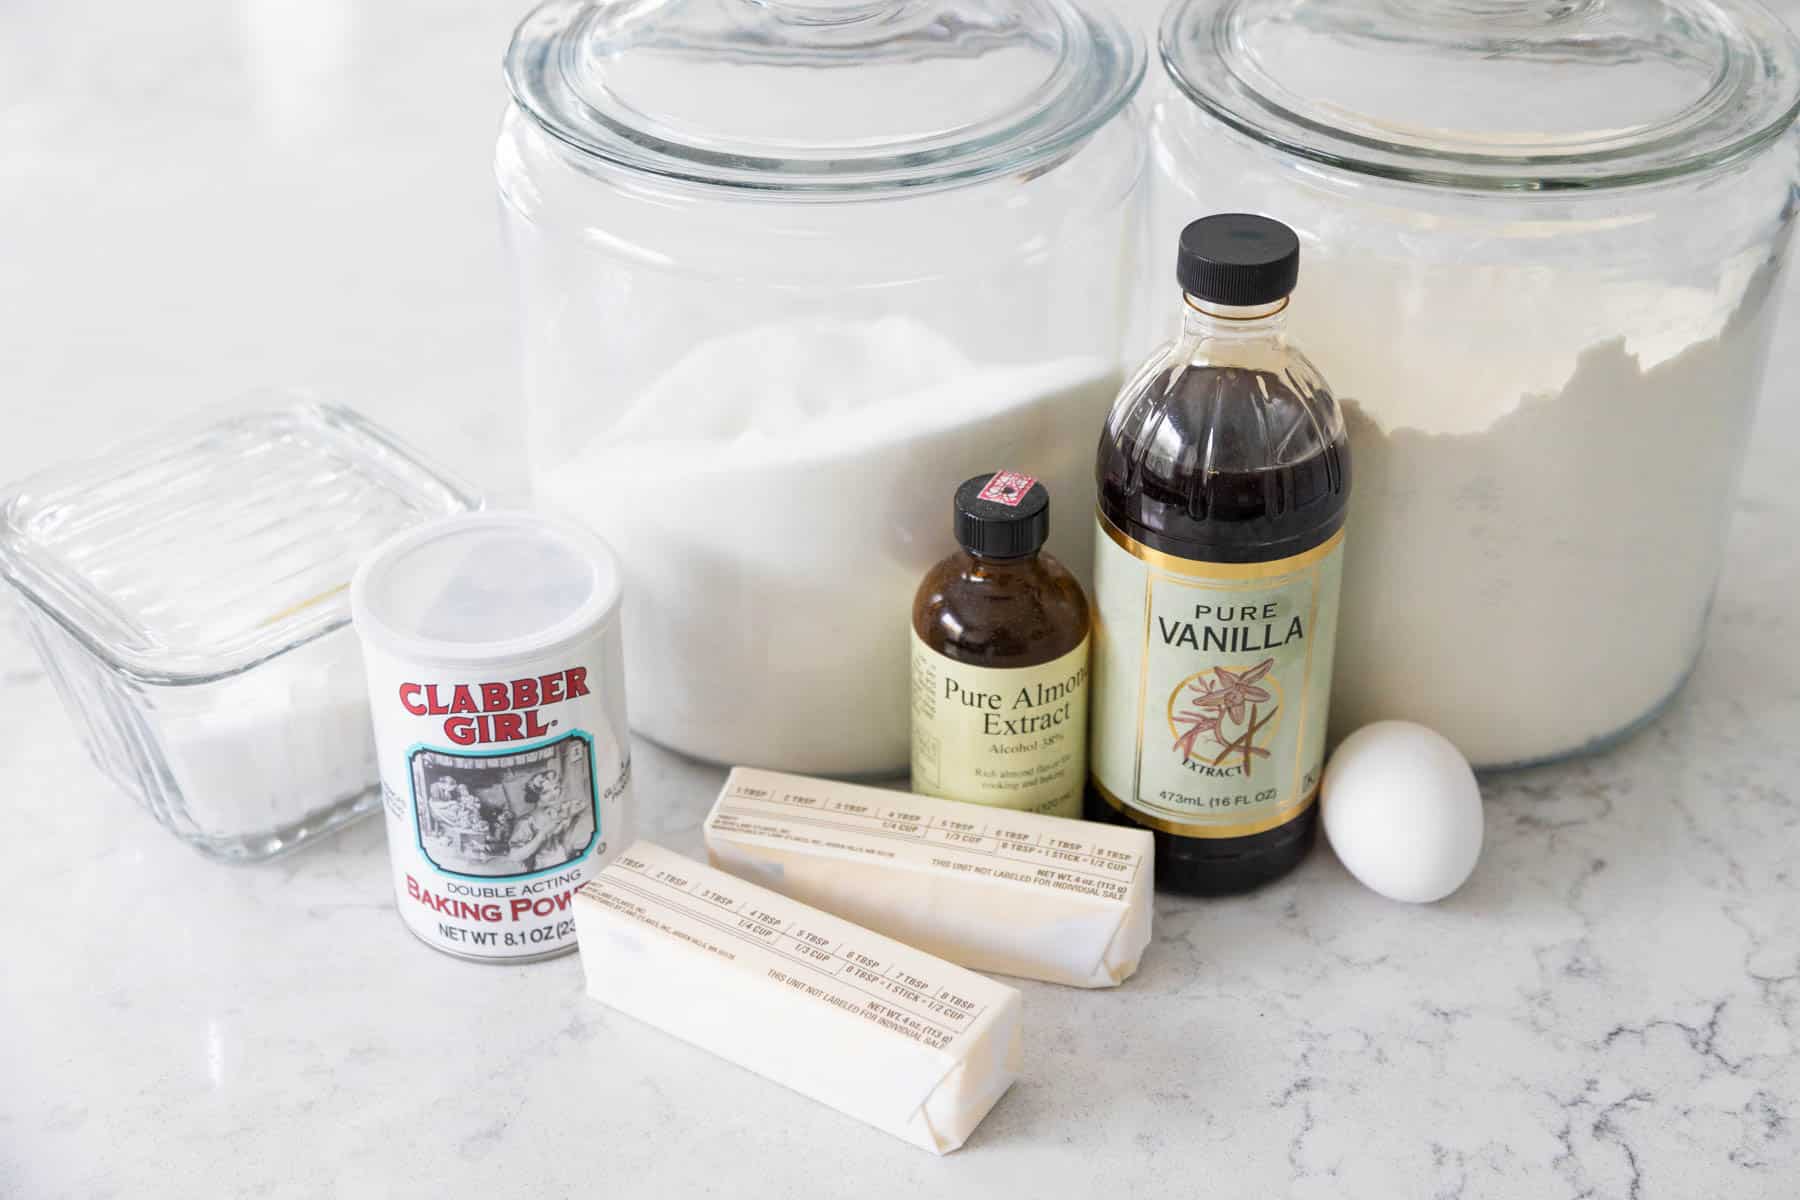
[791, 270]
[497, 687]
[1544, 246]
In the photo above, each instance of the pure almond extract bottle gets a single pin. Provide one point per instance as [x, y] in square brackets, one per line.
[1000, 659]
[1223, 476]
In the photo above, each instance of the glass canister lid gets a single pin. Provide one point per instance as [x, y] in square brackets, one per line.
[201, 551]
[1492, 94]
[823, 96]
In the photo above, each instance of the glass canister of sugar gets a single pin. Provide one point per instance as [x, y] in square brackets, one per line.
[497, 687]
[1545, 246]
[187, 594]
[810, 264]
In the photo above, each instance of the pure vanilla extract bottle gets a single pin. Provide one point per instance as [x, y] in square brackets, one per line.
[1223, 476]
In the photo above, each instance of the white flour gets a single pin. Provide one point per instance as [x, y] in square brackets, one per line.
[1538, 504]
[775, 498]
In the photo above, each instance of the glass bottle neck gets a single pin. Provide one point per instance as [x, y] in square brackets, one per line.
[987, 564]
[1204, 319]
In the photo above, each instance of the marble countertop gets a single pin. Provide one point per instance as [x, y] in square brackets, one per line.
[201, 198]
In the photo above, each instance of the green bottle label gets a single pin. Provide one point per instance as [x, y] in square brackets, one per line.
[1210, 685]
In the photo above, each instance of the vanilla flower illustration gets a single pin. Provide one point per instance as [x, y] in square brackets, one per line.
[1197, 724]
[1233, 692]
[1245, 742]
[1227, 696]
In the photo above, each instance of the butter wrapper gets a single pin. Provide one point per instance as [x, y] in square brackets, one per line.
[880, 1031]
[994, 889]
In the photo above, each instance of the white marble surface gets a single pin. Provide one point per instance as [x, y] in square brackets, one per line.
[199, 198]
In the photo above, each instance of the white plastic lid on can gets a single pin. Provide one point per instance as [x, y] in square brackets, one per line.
[484, 587]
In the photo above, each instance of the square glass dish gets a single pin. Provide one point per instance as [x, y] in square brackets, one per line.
[188, 595]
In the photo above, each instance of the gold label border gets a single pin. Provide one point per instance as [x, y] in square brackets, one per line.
[1225, 577]
[1184, 829]
[1188, 568]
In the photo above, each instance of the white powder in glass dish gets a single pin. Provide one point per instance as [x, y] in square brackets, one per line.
[280, 746]
[1538, 506]
[775, 498]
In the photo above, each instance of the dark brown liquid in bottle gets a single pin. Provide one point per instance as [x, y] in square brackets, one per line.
[1000, 612]
[1178, 504]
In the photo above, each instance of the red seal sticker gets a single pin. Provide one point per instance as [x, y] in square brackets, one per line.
[1007, 487]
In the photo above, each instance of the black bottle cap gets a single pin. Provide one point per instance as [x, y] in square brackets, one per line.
[1238, 258]
[1002, 514]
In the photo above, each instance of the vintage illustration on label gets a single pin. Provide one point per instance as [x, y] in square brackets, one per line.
[503, 796]
[1211, 682]
[1221, 713]
[509, 814]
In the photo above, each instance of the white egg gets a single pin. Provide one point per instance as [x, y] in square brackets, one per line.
[1403, 811]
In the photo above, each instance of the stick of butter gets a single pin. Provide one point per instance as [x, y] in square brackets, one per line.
[880, 1031]
[995, 889]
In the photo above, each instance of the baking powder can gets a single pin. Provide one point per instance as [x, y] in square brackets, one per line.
[497, 688]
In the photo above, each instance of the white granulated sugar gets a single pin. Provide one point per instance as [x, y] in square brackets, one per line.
[775, 498]
[288, 740]
[1538, 501]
